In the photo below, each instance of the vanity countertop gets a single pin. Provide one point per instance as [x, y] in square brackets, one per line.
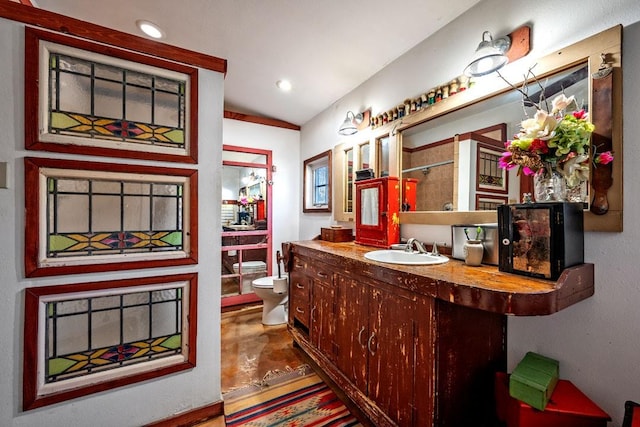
[485, 287]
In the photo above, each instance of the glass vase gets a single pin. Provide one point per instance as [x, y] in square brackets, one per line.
[549, 186]
[578, 193]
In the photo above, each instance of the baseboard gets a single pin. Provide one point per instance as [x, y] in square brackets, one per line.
[192, 417]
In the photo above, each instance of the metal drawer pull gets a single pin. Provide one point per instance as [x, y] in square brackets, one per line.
[321, 274]
[299, 265]
[299, 286]
[360, 337]
[299, 310]
[369, 344]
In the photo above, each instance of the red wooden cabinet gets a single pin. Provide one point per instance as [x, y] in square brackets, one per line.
[377, 208]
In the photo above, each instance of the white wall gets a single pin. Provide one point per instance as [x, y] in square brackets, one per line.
[139, 403]
[287, 182]
[593, 340]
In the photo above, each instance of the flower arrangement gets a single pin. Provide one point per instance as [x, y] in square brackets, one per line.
[245, 200]
[556, 140]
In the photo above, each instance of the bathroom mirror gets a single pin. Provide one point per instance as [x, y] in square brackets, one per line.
[452, 161]
[598, 52]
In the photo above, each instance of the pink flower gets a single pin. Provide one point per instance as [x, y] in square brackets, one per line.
[528, 171]
[604, 158]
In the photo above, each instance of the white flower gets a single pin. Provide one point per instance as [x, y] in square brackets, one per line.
[562, 103]
[541, 126]
[576, 169]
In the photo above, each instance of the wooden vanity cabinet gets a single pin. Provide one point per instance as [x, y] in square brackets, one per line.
[403, 357]
[376, 344]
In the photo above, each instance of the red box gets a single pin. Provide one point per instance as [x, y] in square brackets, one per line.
[568, 407]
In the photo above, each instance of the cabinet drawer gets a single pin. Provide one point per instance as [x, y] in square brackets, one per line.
[321, 272]
[299, 293]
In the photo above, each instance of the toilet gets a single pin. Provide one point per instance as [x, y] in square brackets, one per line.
[274, 311]
[251, 270]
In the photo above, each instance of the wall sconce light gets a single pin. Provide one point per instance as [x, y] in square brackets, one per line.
[490, 56]
[350, 124]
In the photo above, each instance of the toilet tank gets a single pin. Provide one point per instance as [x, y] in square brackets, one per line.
[489, 241]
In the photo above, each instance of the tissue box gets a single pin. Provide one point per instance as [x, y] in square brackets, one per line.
[534, 380]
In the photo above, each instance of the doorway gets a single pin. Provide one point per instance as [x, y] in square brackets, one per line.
[246, 222]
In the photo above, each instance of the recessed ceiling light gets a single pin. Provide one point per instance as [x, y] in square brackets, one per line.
[284, 85]
[150, 29]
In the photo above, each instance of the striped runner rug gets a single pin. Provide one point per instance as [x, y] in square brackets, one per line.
[296, 399]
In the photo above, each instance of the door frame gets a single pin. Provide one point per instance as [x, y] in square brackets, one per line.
[251, 297]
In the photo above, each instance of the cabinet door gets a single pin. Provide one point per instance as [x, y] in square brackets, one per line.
[392, 352]
[322, 317]
[352, 330]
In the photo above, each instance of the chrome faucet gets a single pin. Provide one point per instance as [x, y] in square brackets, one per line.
[434, 250]
[419, 247]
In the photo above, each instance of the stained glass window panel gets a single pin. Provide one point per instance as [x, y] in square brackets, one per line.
[114, 102]
[96, 216]
[88, 334]
[89, 216]
[94, 100]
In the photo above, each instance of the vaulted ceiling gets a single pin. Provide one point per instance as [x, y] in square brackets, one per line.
[325, 48]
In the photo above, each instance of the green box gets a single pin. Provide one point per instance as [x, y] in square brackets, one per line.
[534, 380]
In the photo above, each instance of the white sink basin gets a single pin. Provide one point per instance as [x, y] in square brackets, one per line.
[401, 257]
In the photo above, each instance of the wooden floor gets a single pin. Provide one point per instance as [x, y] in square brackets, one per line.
[250, 350]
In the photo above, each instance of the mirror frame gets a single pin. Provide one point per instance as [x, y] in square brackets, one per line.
[340, 164]
[589, 50]
[307, 183]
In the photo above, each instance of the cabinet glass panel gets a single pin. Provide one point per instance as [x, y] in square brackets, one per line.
[369, 206]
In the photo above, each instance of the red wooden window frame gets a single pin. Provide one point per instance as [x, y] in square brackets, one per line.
[32, 99]
[32, 217]
[30, 397]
